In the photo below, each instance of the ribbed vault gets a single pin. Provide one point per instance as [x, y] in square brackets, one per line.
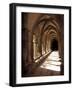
[46, 29]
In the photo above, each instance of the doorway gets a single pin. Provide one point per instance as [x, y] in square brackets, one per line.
[54, 45]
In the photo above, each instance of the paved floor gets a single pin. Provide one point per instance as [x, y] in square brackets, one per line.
[51, 66]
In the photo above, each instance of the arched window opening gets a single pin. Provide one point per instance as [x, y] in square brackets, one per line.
[36, 52]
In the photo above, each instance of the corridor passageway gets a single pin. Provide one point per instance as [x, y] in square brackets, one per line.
[42, 44]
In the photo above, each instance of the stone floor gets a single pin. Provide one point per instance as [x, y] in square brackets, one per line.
[50, 67]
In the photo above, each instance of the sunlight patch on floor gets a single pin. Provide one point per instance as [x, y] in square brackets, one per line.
[52, 62]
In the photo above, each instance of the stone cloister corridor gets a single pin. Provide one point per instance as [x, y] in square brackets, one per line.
[42, 44]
